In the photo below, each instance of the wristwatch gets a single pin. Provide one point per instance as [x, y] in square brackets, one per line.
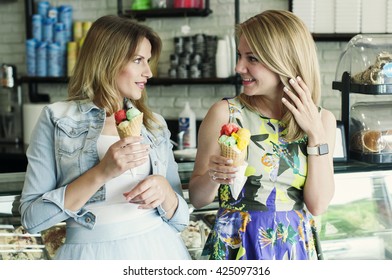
[318, 150]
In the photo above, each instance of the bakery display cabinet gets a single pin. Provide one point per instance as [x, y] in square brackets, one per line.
[365, 68]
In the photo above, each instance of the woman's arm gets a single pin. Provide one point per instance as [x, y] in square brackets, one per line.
[320, 184]
[202, 189]
[321, 128]
[123, 155]
[163, 189]
[42, 200]
[44, 203]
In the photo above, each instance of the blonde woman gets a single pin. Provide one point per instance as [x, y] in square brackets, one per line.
[290, 162]
[120, 198]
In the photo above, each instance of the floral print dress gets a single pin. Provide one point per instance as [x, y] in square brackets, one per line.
[268, 220]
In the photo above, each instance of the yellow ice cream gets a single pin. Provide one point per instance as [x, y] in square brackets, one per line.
[242, 137]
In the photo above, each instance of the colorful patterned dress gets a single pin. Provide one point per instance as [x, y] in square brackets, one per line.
[269, 219]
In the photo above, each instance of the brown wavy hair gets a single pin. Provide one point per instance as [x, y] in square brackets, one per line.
[109, 45]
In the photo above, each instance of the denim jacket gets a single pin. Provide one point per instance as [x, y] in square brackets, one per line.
[63, 146]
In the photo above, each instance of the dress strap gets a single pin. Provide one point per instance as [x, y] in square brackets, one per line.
[235, 111]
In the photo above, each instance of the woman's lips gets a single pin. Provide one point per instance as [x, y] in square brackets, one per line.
[247, 82]
[141, 85]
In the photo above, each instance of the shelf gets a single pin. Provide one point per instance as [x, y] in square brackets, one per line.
[165, 13]
[44, 80]
[152, 81]
[177, 81]
[383, 89]
[333, 37]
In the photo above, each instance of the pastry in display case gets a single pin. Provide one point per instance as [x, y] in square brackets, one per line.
[195, 235]
[368, 60]
[371, 131]
[17, 244]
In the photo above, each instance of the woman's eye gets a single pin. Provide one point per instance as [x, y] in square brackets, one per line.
[138, 60]
[252, 59]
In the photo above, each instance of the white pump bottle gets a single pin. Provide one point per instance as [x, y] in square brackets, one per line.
[187, 123]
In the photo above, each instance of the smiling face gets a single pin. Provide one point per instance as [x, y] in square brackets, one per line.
[132, 79]
[256, 78]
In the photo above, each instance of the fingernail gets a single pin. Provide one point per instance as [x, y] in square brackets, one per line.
[291, 81]
[229, 161]
[285, 89]
[298, 78]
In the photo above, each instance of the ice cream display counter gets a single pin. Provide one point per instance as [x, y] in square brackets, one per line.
[357, 224]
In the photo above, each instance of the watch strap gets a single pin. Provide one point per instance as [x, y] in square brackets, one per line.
[318, 150]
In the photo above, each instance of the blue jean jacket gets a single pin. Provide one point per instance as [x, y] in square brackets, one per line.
[63, 146]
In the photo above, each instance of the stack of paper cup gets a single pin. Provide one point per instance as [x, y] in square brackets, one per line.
[374, 16]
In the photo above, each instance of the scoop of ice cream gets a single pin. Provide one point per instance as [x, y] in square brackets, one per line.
[229, 128]
[234, 136]
[132, 112]
[227, 140]
[123, 124]
[120, 116]
[242, 137]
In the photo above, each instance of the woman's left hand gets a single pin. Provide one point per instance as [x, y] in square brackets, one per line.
[302, 106]
[150, 192]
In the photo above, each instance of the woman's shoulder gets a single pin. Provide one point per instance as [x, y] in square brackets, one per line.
[327, 116]
[69, 108]
[219, 110]
[160, 120]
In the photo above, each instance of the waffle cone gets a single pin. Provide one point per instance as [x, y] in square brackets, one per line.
[133, 129]
[237, 156]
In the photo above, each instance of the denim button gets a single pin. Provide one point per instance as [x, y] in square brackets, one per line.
[88, 220]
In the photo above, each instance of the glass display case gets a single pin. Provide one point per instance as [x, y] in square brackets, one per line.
[368, 59]
[358, 222]
[365, 68]
[371, 131]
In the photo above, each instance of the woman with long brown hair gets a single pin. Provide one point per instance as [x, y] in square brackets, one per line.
[120, 198]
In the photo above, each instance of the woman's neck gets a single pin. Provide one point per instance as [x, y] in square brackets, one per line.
[109, 127]
[269, 108]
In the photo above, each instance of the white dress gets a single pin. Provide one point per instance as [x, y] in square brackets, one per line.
[122, 231]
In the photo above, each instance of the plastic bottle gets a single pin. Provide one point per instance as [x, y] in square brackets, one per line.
[187, 123]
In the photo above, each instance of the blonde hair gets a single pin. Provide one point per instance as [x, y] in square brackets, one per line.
[110, 44]
[282, 42]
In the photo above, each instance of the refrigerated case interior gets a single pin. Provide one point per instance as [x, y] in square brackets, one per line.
[358, 223]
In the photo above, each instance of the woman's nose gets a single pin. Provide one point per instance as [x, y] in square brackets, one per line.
[147, 72]
[240, 67]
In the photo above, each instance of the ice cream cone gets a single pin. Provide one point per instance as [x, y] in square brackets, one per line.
[235, 154]
[130, 128]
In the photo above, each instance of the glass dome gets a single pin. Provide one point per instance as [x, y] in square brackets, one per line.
[371, 127]
[368, 59]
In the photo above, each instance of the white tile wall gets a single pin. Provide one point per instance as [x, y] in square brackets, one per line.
[220, 22]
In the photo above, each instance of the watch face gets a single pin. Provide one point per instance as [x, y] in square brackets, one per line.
[323, 149]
